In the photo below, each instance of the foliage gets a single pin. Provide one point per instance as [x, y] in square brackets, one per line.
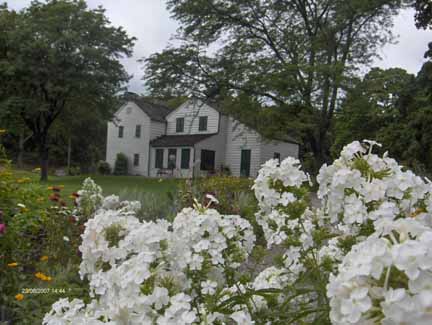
[294, 56]
[423, 14]
[121, 164]
[364, 257]
[394, 108]
[37, 264]
[154, 205]
[104, 168]
[60, 56]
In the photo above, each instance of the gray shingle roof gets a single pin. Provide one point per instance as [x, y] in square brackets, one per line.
[179, 140]
[156, 112]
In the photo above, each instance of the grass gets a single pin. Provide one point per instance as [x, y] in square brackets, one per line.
[110, 184]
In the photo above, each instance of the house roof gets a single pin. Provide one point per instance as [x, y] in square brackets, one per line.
[156, 112]
[179, 140]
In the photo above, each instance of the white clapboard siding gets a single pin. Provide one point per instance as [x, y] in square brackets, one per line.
[286, 149]
[216, 143]
[240, 137]
[157, 129]
[129, 116]
[191, 111]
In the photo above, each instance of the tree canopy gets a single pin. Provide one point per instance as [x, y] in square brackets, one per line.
[60, 54]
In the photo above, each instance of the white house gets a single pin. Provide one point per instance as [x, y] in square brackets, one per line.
[195, 139]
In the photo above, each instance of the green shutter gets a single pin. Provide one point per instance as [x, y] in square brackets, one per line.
[159, 158]
[245, 163]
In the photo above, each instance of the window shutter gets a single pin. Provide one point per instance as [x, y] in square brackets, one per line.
[159, 158]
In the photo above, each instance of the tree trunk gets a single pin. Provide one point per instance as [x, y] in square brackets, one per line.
[20, 157]
[43, 156]
[69, 155]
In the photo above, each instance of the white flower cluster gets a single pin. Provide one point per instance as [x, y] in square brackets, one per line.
[210, 238]
[274, 191]
[361, 186]
[385, 279]
[154, 272]
[273, 179]
[89, 199]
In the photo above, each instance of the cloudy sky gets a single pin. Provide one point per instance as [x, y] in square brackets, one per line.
[150, 23]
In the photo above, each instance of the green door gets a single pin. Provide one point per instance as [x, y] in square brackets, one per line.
[245, 163]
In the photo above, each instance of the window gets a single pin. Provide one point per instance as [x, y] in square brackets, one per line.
[245, 163]
[172, 158]
[138, 131]
[185, 158]
[203, 123]
[180, 124]
[207, 160]
[121, 131]
[159, 158]
[277, 156]
[136, 159]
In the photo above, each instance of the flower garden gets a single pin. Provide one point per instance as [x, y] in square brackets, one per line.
[364, 256]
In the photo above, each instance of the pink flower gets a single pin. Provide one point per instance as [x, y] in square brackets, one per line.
[2, 228]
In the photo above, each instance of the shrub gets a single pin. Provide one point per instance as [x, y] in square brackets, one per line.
[104, 168]
[74, 171]
[121, 164]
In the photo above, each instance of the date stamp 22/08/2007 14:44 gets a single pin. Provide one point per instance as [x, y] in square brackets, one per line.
[45, 290]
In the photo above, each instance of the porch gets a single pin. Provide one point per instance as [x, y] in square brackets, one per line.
[182, 157]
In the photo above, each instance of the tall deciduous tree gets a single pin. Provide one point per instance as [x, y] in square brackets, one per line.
[60, 54]
[295, 54]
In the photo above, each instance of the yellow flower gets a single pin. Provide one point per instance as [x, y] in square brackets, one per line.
[44, 258]
[39, 275]
[50, 188]
[36, 170]
[42, 276]
[19, 297]
[2, 131]
[23, 180]
[13, 264]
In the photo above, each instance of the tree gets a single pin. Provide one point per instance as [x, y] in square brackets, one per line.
[423, 15]
[371, 104]
[296, 55]
[60, 54]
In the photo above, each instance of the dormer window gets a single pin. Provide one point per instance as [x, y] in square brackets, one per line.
[180, 125]
[203, 123]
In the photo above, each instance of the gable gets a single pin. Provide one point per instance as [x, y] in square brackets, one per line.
[190, 105]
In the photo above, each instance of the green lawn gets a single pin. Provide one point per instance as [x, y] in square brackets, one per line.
[110, 184]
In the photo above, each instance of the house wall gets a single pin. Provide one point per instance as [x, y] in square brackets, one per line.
[178, 172]
[157, 129]
[240, 137]
[286, 149]
[191, 111]
[128, 116]
[216, 143]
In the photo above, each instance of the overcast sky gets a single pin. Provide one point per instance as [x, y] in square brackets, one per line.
[150, 23]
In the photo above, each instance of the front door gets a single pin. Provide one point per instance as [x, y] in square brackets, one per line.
[245, 163]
